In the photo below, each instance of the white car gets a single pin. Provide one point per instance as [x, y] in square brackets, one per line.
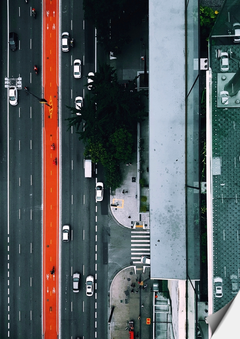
[65, 42]
[236, 28]
[89, 285]
[145, 260]
[224, 62]
[76, 282]
[218, 282]
[78, 104]
[13, 95]
[77, 69]
[66, 233]
[224, 97]
[89, 80]
[99, 191]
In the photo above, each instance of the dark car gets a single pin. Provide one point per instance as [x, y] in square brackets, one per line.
[13, 41]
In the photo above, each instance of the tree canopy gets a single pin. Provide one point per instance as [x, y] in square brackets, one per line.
[110, 111]
[114, 19]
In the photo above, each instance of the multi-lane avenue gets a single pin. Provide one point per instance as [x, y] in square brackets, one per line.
[24, 147]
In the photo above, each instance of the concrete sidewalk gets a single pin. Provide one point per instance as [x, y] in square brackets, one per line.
[131, 301]
[124, 201]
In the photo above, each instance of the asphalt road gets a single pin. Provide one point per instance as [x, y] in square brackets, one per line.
[21, 241]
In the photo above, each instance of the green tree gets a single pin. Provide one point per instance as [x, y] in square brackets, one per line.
[110, 112]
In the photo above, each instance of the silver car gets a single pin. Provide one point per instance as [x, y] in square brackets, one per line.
[218, 287]
[76, 282]
[224, 62]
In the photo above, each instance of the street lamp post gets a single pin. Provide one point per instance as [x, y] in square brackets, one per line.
[41, 100]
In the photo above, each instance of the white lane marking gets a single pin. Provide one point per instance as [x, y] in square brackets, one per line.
[83, 60]
[71, 306]
[31, 315]
[83, 199]
[19, 181]
[138, 232]
[139, 245]
[19, 45]
[95, 50]
[71, 24]
[71, 93]
[30, 115]
[96, 218]
[132, 240]
[83, 305]
[95, 267]
[30, 247]
[19, 112]
[83, 26]
[19, 11]
[96, 228]
[31, 214]
[19, 145]
[30, 77]
[83, 269]
[96, 208]
[71, 234]
[83, 236]
[96, 237]
[71, 129]
[31, 180]
[96, 256]
[19, 214]
[30, 45]
[30, 282]
[72, 199]
[30, 144]
[19, 248]
[72, 164]
[19, 316]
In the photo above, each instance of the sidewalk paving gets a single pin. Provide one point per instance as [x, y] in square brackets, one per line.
[130, 301]
[124, 200]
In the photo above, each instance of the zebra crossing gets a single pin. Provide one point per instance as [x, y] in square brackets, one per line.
[140, 245]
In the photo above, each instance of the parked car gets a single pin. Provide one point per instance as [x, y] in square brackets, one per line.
[76, 282]
[66, 233]
[145, 260]
[218, 287]
[89, 285]
[99, 191]
[13, 41]
[13, 95]
[78, 104]
[236, 29]
[224, 97]
[90, 80]
[77, 68]
[65, 42]
[234, 283]
[224, 62]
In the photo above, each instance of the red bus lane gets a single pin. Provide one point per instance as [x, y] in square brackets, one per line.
[50, 170]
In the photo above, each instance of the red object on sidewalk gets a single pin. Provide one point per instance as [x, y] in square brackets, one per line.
[131, 334]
